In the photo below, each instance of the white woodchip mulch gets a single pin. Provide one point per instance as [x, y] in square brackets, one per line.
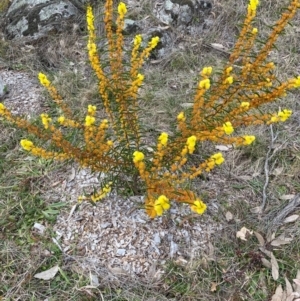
[118, 235]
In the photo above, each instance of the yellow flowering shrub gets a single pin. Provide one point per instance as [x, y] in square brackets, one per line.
[116, 145]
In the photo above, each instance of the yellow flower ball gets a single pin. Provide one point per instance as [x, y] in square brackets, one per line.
[89, 121]
[198, 206]
[248, 139]
[218, 158]
[163, 139]
[228, 128]
[122, 9]
[138, 156]
[26, 144]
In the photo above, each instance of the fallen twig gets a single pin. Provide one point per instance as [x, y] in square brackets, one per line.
[270, 154]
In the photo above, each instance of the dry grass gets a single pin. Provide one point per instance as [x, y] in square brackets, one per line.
[229, 265]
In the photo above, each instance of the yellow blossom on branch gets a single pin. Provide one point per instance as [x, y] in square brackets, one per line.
[245, 105]
[296, 82]
[161, 204]
[102, 193]
[228, 128]
[91, 109]
[248, 139]
[206, 71]
[26, 144]
[253, 5]
[137, 40]
[90, 19]
[204, 84]
[228, 80]
[228, 70]
[138, 156]
[191, 142]
[122, 9]
[163, 139]
[139, 79]
[89, 121]
[181, 117]
[45, 120]
[218, 158]
[61, 119]
[104, 124]
[153, 43]
[282, 116]
[2, 108]
[44, 80]
[198, 206]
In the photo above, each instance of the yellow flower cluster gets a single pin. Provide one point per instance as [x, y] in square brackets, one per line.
[62, 120]
[122, 9]
[137, 40]
[2, 108]
[54, 94]
[181, 117]
[198, 206]
[216, 159]
[295, 82]
[153, 43]
[161, 204]
[138, 157]
[228, 80]
[191, 142]
[223, 102]
[89, 121]
[97, 196]
[45, 120]
[91, 110]
[163, 139]
[253, 5]
[228, 128]
[102, 194]
[281, 116]
[37, 151]
[204, 84]
[44, 80]
[248, 140]
[26, 144]
[206, 71]
[245, 105]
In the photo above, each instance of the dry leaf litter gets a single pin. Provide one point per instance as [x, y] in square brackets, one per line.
[116, 234]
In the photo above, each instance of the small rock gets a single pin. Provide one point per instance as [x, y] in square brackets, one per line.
[130, 26]
[94, 280]
[157, 239]
[3, 88]
[121, 252]
[39, 227]
[173, 248]
[106, 225]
